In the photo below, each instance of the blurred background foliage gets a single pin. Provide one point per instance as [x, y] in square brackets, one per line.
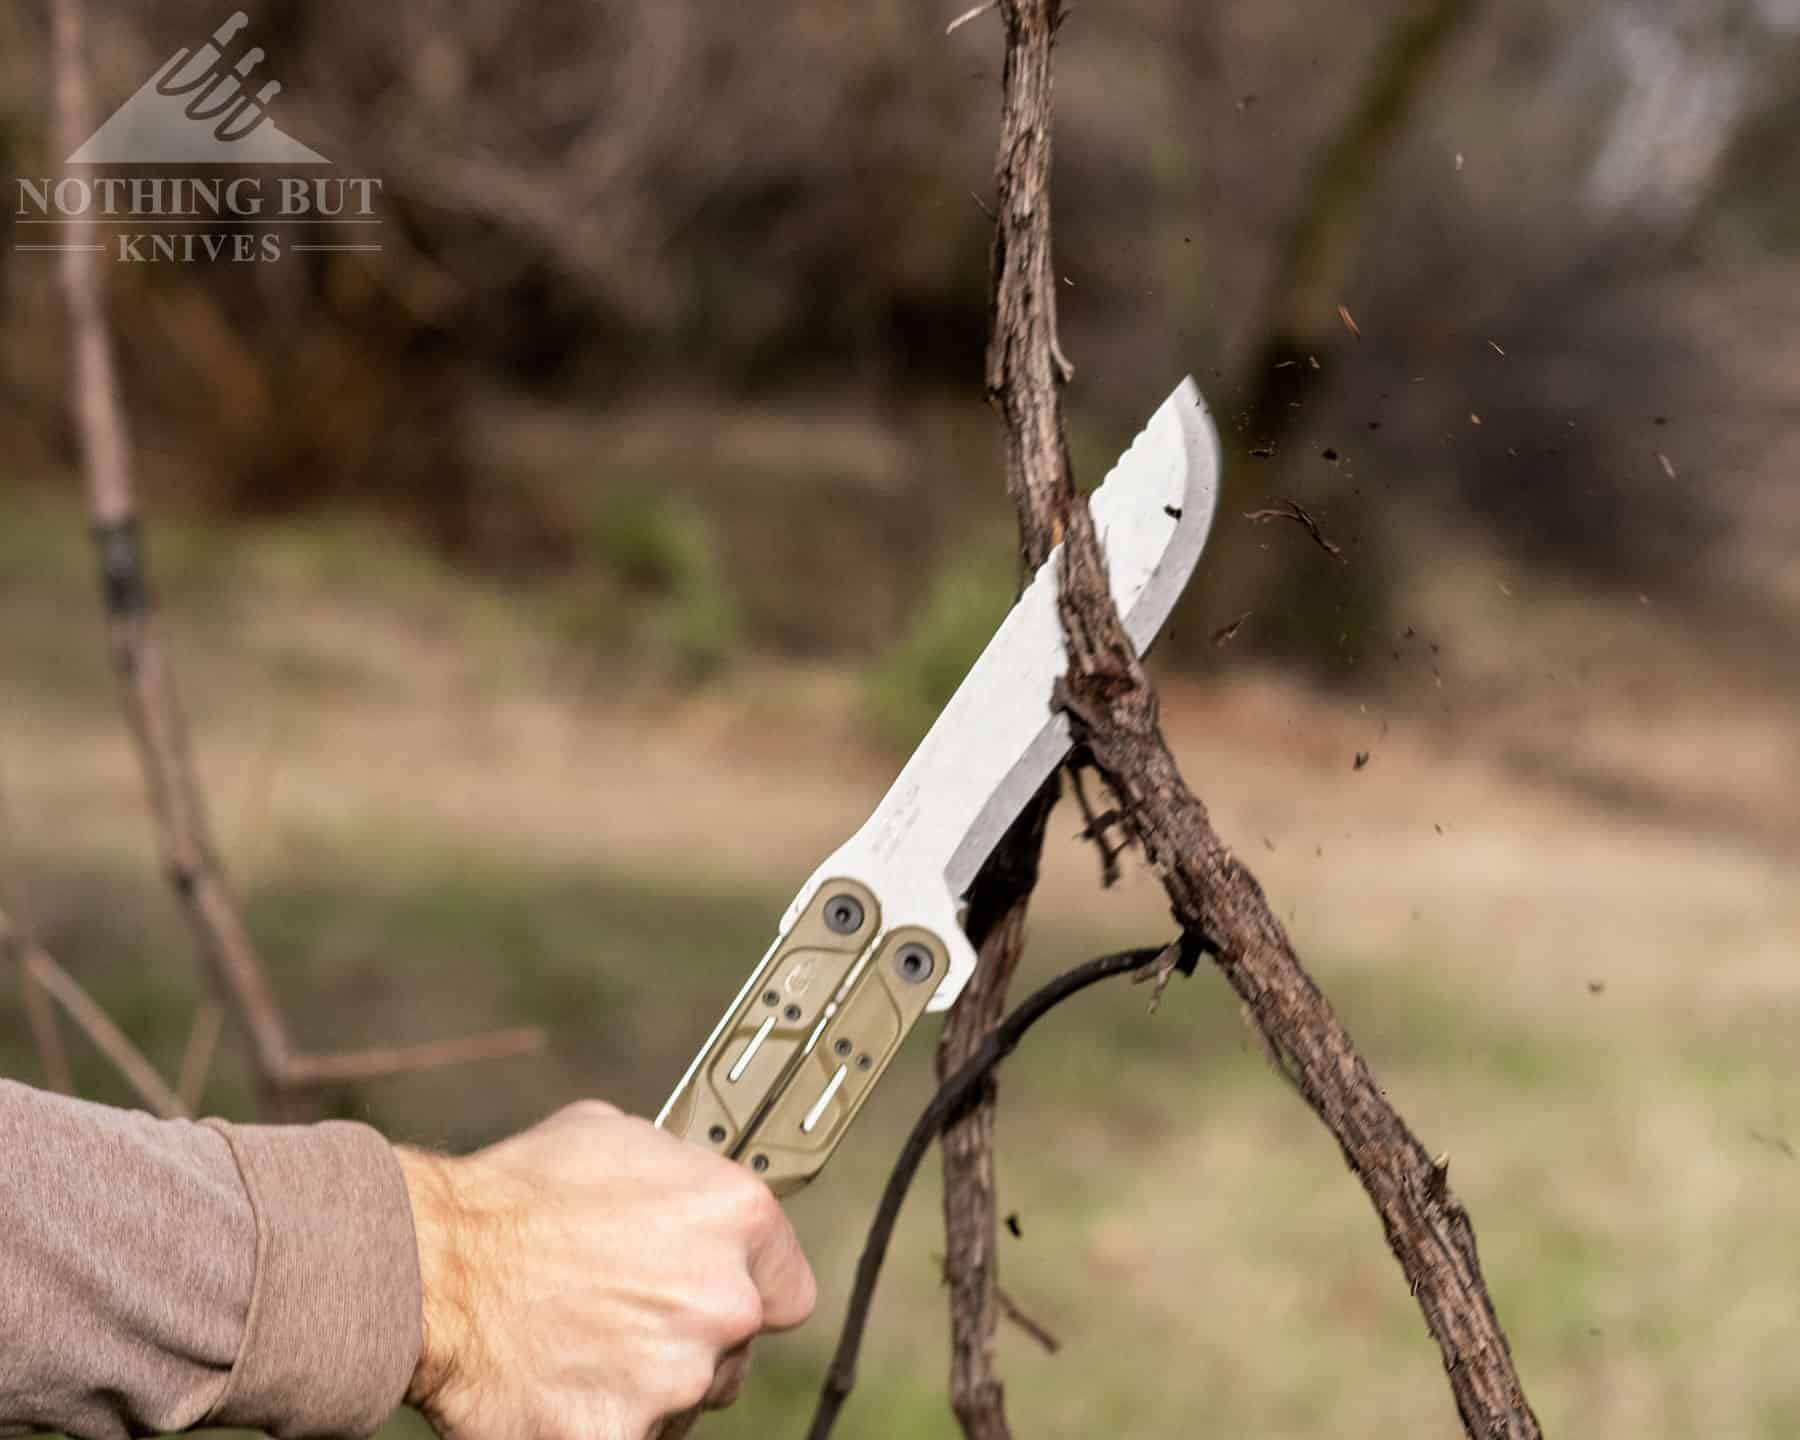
[553, 588]
[745, 255]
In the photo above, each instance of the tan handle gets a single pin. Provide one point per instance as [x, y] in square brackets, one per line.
[803, 1125]
[774, 1090]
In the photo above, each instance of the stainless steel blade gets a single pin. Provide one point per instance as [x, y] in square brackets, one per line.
[997, 739]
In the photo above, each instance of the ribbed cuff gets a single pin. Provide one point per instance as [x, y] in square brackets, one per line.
[333, 1331]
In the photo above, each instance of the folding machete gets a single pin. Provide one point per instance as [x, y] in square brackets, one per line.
[873, 940]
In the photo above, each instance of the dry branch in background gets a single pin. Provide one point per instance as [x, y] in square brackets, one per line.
[40, 1014]
[147, 691]
[39, 970]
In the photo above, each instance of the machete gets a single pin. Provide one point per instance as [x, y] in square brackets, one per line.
[873, 940]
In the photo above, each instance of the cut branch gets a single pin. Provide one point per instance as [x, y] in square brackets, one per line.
[952, 1097]
[152, 707]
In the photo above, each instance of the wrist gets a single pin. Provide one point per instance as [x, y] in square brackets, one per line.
[444, 1315]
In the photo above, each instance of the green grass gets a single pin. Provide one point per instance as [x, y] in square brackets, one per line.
[916, 675]
[654, 585]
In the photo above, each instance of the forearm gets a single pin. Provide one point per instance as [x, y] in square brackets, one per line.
[160, 1275]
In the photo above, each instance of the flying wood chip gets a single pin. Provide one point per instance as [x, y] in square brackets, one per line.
[1349, 321]
[1293, 510]
[1226, 633]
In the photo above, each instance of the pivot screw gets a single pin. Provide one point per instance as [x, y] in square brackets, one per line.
[913, 963]
[792, 1012]
[759, 1163]
[771, 998]
[843, 914]
[716, 1134]
[842, 1047]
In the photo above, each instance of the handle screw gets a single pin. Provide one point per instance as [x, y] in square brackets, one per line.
[843, 914]
[913, 963]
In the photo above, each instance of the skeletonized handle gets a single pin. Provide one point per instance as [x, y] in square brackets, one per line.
[787, 1072]
[777, 1090]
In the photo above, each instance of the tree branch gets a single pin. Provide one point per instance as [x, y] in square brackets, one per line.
[40, 1015]
[951, 1099]
[112, 1042]
[1024, 368]
[380, 1062]
[197, 1054]
[147, 690]
[997, 907]
[1213, 894]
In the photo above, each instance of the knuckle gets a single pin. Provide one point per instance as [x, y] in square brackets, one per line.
[805, 1298]
[739, 1314]
[755, 1204]
[795, 1301]
[589, 1110]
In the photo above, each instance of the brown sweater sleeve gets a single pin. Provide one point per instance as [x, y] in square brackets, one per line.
[157, 1275]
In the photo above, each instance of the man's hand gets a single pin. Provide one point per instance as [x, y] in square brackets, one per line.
[590, 1277]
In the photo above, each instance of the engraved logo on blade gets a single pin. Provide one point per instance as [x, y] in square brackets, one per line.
[903, 814]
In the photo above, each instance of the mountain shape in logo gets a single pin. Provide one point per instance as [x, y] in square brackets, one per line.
[198, 109]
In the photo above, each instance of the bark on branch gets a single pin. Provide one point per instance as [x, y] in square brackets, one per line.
[1024, 369]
